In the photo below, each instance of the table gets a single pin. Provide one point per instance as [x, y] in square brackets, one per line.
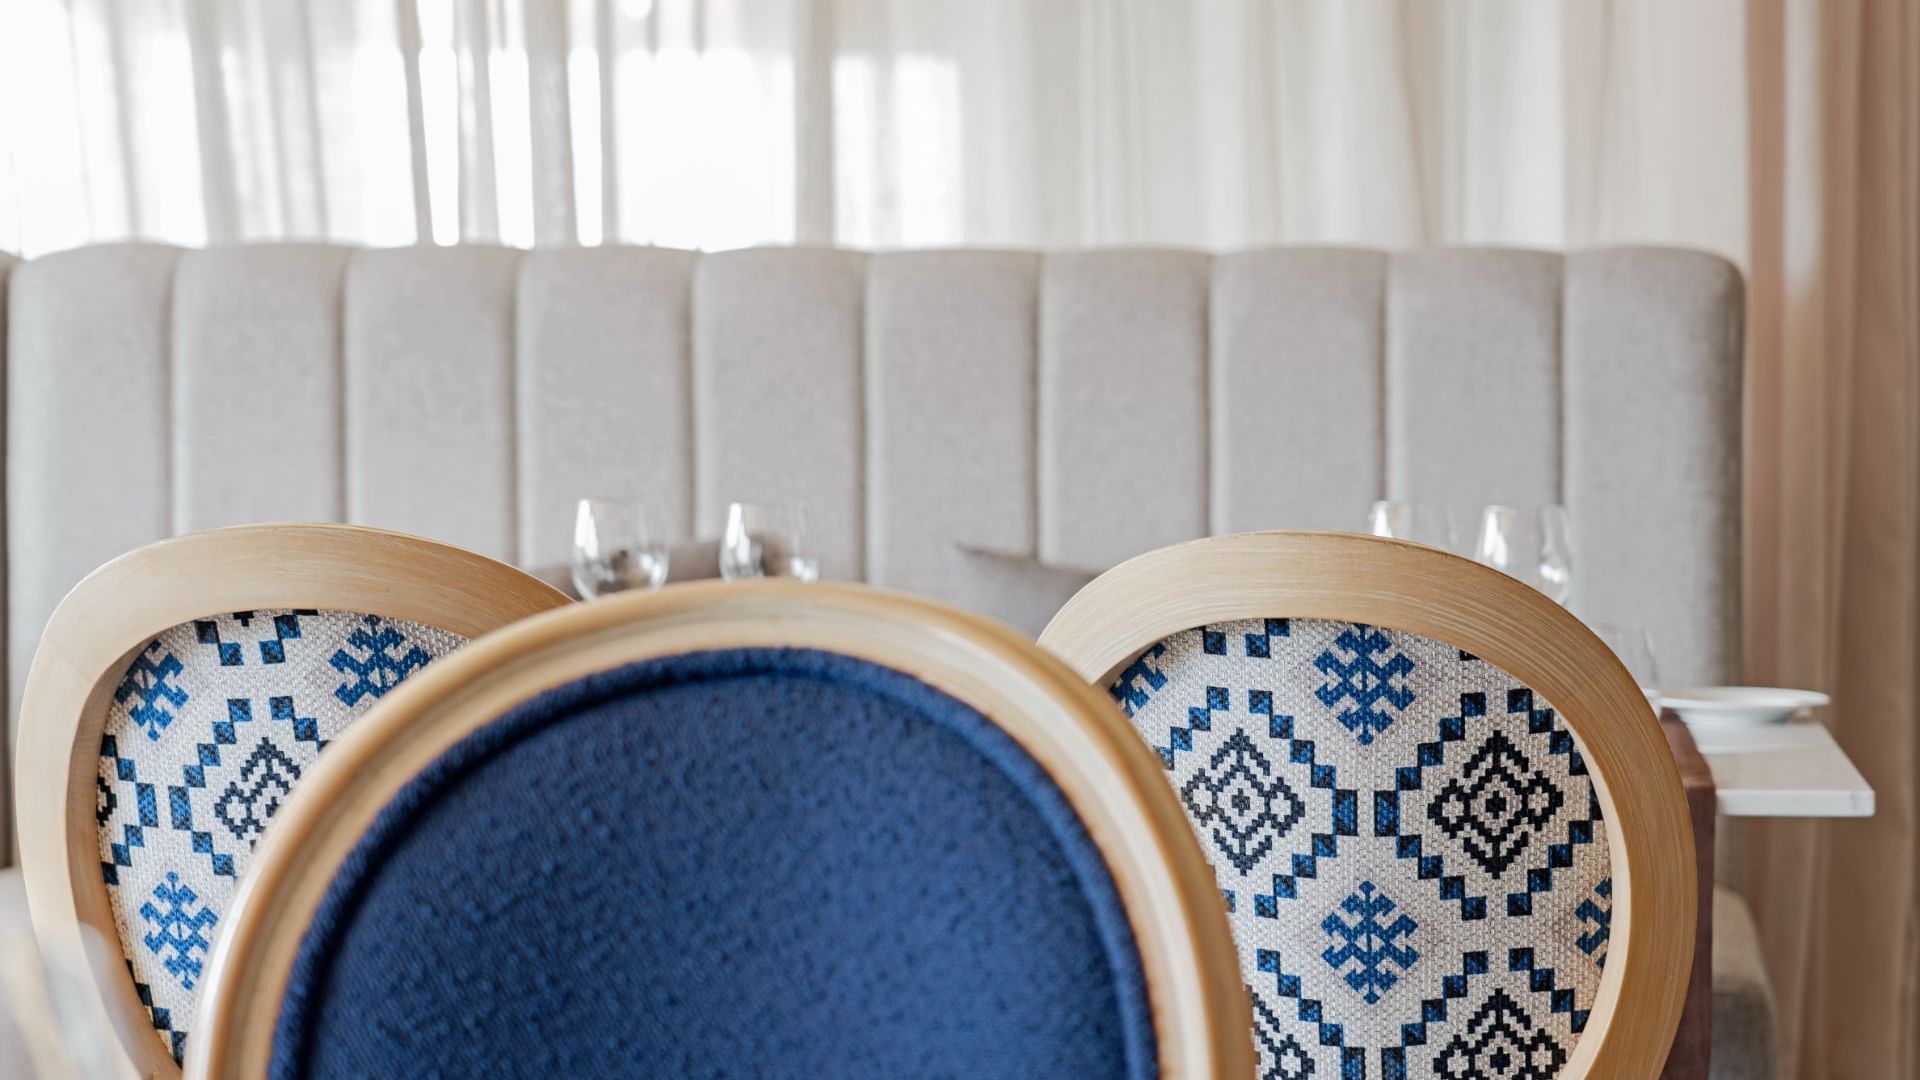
[1794, 769]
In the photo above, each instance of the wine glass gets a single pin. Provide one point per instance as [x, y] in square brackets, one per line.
[766, 540]
[1634, 647]
[1529, 543]
[1421, 523]
[615, 548]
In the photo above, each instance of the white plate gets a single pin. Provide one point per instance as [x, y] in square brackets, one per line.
[1739, 706]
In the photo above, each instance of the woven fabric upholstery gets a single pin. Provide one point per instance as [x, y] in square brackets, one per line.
[1407, 840]
[206, 733]
[761, 862]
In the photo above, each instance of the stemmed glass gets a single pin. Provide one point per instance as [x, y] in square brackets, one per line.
[616, 547]
[766, 540]
[1421, 523]
[1529, 543]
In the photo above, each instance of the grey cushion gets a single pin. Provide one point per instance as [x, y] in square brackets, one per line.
[1744, 1036]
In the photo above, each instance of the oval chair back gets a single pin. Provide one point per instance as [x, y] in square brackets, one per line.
[1447, 826]
[178, 696]
[763, 829]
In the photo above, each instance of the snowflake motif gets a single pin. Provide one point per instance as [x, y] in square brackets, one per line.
[1374, 939]
[385, 658]
[179, 931]
[148, 679]
[1360, 673]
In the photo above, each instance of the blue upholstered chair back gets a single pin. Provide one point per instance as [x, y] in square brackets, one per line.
[753, 862]
[206, 733]
[1407, 839]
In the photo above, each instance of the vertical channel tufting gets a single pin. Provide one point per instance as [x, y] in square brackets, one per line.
[1653, 387]
[256, 386]
[88, 412]
[1473, 377]
[1049, 406]
[429, 393]
[777, 337]
[604, 388]
[1122, 411]
[950, 414]
[1296, 388]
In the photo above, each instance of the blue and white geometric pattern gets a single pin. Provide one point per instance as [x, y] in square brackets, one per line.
[1408, 841]
[207, 733]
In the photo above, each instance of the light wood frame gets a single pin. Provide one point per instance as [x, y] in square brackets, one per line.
[111, 615]
[1390, 583]
[1200, 1013]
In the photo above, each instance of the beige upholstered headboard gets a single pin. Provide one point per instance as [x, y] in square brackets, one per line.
[985, 427]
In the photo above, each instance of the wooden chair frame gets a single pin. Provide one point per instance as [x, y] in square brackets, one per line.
[1200, 1013]
[112, 614]
[1390, 583]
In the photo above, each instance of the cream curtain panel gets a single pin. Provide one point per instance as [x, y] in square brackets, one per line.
[873, 122]
[1781, 133]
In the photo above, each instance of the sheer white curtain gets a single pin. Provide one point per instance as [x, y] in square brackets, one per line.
[720, 123]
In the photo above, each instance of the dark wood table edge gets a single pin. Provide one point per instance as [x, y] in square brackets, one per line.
[1693, 1042]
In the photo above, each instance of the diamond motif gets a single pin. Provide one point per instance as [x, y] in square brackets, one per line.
[1243, 803]
[1495, 804]
[1500, 1041]
[1374, 942]
[1361, 673]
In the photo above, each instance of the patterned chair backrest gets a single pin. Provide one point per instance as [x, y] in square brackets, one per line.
[180, 694]
[1421, 785]
[1406, 838]
[206, 733]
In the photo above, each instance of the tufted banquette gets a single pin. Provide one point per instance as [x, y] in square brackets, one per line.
[985, 427]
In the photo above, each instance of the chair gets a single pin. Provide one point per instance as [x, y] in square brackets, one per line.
[178, 694]
[765, 829]
[1445, 822]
